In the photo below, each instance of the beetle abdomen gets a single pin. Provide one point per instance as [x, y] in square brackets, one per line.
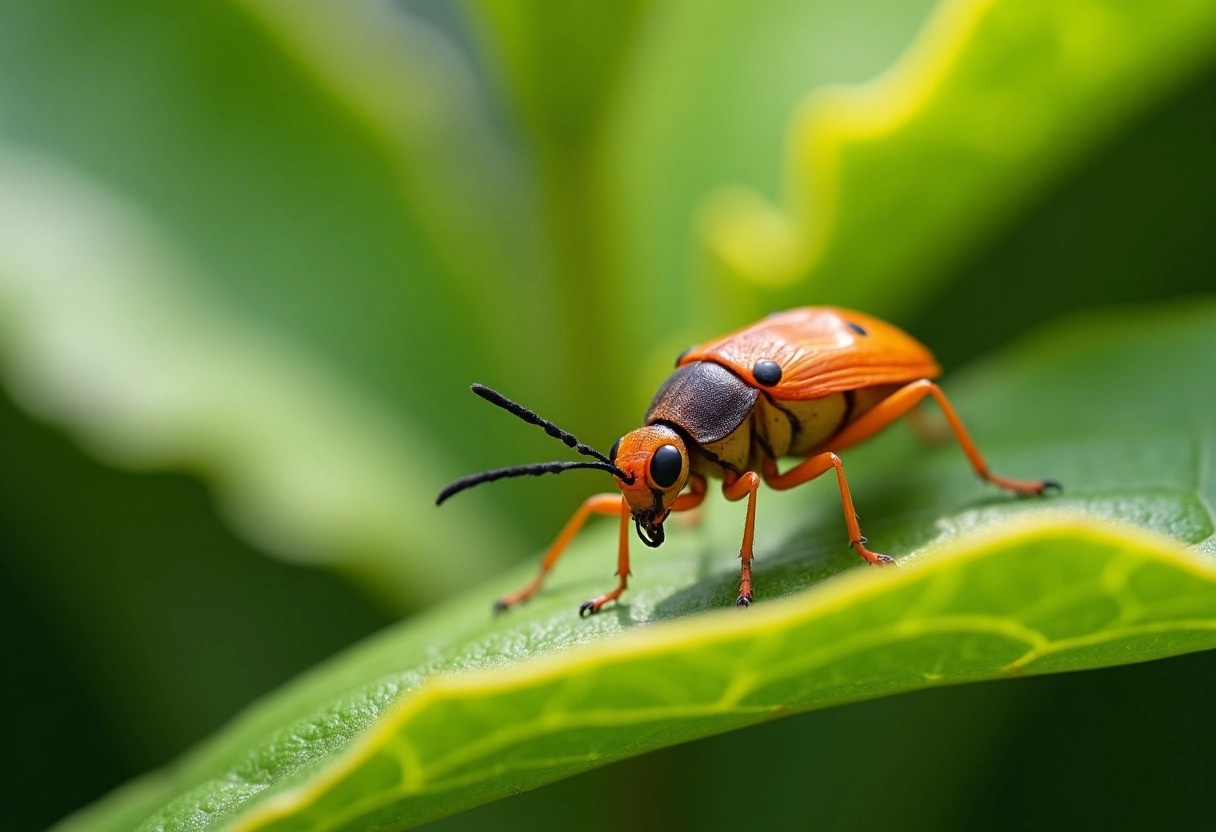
[793, 428]
[705, 400]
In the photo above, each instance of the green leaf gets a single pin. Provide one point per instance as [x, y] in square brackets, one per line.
[457, 708]
[991, 104]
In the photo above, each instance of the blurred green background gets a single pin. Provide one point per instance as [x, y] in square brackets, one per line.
[252, 253]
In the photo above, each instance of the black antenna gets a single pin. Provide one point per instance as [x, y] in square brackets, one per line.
[537, 468]
[496, 398]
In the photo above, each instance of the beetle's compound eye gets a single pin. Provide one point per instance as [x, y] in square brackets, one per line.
[666, 465]
[858, 328]
[616, 446]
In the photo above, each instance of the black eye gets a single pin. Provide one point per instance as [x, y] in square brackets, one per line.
[665, 466]
[858, 328]
[616, 446]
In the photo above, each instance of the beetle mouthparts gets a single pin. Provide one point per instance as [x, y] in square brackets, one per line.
[649, 532]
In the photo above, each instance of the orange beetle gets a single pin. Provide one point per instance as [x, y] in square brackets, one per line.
[803, 383]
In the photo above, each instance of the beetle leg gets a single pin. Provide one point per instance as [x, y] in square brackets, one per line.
[598, 504]
[902, 401]
[684, 502]
[737, 489]
[694, 496]
[808, 470]
[691, 499]
[622, 568]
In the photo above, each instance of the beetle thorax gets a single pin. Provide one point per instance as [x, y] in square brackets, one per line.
[706, 401]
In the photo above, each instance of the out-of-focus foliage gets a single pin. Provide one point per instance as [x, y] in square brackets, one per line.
[266, 246]
[291, 366]
[989, 103]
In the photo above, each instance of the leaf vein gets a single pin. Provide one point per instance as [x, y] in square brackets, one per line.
[1103, 636]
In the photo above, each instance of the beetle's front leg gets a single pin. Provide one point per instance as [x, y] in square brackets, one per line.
[737, 489]
[622, 567]
[597, 504]
[685, 502]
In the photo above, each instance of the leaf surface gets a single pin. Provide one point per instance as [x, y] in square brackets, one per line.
[457, 707]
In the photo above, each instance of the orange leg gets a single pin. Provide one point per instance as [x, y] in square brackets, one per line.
[808, 470]
[598, 504]
[736, 489]
[694, 496]
[902, 401]
[622, 568]
[682, 503]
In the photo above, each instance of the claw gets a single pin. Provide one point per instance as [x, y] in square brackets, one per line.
[743, 602]
[872, 558]
[588, 608]
[501, 606]
[1051, 485]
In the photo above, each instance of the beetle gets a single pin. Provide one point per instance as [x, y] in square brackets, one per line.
[807, 382]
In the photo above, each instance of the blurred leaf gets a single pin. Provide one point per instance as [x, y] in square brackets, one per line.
[702, 103]
[633, 112]
[108, 577]
[560, 67]
[889, 181]
[561, 61]
[295, 334]
[1129, 226]
[372, 740]
[109, 335]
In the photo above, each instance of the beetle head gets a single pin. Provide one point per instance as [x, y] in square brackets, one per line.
[650, 465]
[656, 466]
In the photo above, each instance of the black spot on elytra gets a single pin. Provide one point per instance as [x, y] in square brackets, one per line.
[766, 372]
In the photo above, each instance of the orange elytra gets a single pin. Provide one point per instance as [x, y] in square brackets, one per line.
[804, 383]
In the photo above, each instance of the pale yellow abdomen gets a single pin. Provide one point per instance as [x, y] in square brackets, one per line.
[786, 428]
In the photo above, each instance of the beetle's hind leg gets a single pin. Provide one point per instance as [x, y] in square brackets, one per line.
[901, 402]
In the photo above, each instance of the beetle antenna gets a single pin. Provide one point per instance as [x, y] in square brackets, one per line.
[535, 470]
[516, 409]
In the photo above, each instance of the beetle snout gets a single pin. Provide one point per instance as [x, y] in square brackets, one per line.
[650, 527]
